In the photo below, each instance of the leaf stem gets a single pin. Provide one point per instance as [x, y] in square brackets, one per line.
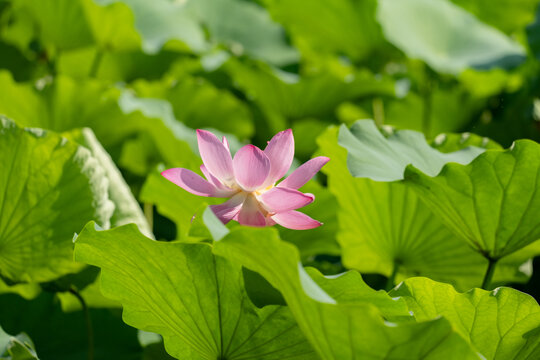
[392, 279]
[95, 63]
[427, 98]
[88, 319]
[378, 111]
[149, 214]
[486, 283]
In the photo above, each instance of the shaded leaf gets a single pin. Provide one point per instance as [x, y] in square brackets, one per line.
[64, 336]
[347, 27]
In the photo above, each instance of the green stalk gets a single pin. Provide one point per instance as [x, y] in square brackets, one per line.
[88, 320]
[149, 214]
[392, 279]
[95, 63]
[427, 98]
[486, 283]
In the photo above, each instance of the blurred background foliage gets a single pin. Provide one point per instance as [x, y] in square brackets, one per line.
[144, 74]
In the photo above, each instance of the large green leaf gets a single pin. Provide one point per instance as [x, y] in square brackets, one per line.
[384, 158]
[492, 203]
[49, 188]
[347, 27]
[385, 227]
[461, 41]
[501, 324]
[194, 299]
[340, 317]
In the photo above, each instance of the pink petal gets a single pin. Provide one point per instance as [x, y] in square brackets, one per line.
[251, 167]
[229, 209]
[283, 199]
[193, 183]
[251, 214]
[304, 173]
[280, 151]
[226, 143]
[295, 220]
[211, 178]
[216, 157]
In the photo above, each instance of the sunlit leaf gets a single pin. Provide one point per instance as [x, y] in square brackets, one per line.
[49, 187]
[340, 322]
[194, 299]
[492, 203]
[501, 324]
[384, 158]
[385, 227]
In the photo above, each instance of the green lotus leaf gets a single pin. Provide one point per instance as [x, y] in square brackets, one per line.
[384, 227]
[194, 299]
[492, 202]
[462, 40]
[500, 324]
[341, 317]
[384, 158]
[49, 187]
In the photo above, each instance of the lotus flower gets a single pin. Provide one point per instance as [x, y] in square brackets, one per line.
[249, 181]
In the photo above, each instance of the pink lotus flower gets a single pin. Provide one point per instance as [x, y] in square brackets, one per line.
[249, 181]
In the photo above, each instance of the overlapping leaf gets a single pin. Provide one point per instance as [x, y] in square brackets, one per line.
[380, 158]
[339, 325]
[194, 299]
[385, 226]
[492, 203]
[500, 324]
